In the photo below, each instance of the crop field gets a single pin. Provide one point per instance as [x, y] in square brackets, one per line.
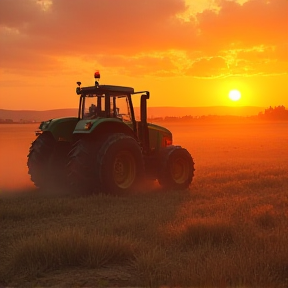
[230, 229]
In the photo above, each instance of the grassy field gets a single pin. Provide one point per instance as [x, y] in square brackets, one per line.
[230, 229]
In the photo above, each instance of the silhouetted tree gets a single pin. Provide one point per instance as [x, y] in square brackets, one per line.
[276, 113]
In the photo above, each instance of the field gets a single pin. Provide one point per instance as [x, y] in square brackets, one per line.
[230, 229]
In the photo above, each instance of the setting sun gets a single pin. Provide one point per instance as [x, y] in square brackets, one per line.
[234, 95]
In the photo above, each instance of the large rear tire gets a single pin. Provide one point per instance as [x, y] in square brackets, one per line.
[81, 166]
[120, 164]
[176, 168]
[46, 162]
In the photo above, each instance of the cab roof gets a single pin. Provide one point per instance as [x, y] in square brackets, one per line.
[102, 89]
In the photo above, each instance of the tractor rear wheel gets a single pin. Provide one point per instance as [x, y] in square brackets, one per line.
[120, 164]
[176, 168]
[82, 165]
[46, 162]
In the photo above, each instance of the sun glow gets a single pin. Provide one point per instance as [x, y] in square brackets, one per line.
[234, 95]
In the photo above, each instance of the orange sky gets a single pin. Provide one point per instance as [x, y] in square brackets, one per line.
[186, 53]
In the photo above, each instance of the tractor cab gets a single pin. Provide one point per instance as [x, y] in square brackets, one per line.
[93, 106]
[105, 101]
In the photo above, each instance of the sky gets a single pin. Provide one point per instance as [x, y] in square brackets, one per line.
[186, 53]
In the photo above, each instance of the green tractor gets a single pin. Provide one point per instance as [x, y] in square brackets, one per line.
[106, 149]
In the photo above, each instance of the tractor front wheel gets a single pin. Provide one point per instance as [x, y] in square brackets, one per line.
[176, 168]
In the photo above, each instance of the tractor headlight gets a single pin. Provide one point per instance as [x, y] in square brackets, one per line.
[88, 125]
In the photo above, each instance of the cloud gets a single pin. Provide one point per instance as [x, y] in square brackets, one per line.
[140, 35]
[256, 22]
[153, 64]
[104, 25]
[208, 67]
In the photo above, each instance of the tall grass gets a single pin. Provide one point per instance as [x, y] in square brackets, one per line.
[173, 238]
[69, 247]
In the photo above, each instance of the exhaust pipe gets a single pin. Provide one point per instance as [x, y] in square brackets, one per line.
[144, 126]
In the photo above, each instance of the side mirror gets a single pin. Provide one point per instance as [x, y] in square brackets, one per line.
[78, 90]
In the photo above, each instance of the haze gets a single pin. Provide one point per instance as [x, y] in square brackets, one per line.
[186, 53]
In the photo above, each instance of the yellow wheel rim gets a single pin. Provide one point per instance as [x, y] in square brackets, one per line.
[124, 170]
[179, 170]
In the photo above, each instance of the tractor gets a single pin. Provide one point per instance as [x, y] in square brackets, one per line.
[107, 148]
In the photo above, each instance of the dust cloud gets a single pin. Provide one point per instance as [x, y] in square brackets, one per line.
[15, 140]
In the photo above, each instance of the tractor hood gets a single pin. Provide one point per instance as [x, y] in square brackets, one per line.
[158, 128]
[159, 137]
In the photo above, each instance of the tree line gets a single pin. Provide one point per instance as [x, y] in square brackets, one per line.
[278, 113]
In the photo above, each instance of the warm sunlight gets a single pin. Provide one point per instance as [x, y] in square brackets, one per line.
[208, 58]
[234, 95]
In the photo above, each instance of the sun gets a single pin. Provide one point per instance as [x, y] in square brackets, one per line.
[234, 95]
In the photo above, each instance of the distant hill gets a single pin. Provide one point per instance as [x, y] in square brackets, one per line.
[153, 112]
[37, 116]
